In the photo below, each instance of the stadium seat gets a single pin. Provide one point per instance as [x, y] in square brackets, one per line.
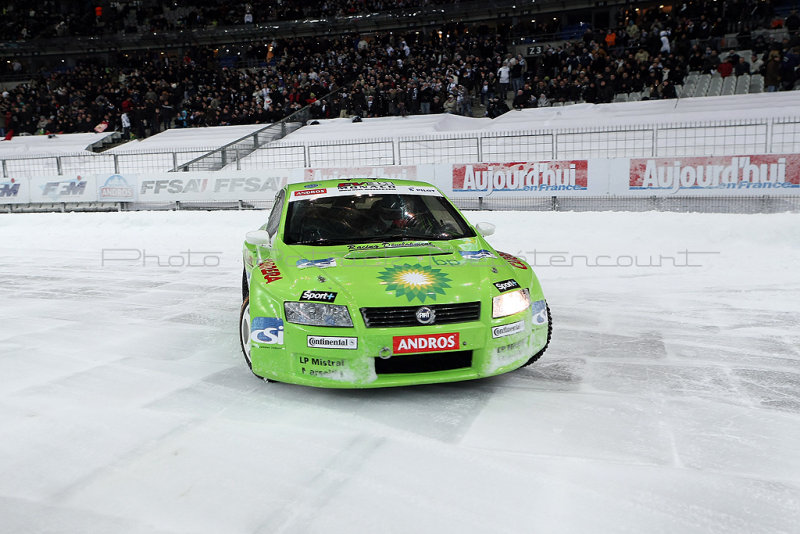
[729, 85]
[701, 89]
[742, 84]
[756, 83]
[715, 86]
[621, 97]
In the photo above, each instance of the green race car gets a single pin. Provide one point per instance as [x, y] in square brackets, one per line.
[363, 284]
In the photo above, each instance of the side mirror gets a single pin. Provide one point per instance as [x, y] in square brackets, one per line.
[259, 238]
[485, 229]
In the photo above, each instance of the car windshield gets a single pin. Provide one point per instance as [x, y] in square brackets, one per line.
[352, 219]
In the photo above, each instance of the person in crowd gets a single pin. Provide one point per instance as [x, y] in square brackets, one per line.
[772, 71]
[372, 75]
[520, 100]
[503, 79]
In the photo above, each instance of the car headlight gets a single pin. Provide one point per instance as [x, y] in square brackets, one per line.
[317, 314]
[510, 303]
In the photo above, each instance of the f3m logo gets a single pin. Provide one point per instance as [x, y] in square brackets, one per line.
[9, 189]
[66, 188]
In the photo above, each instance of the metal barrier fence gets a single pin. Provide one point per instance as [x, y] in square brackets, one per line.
[768, 136]
[705, 204]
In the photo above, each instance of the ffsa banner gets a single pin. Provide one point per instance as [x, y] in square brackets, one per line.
[538, 176]
[752, 174]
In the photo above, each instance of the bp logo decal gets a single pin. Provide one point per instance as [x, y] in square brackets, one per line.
[420, 282]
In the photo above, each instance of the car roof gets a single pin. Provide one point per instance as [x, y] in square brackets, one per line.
[336, 182]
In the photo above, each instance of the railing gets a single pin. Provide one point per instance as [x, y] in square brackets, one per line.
[767, 136]
[235, 151]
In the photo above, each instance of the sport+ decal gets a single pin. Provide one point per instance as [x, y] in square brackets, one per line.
[420, 282]
[506, 285]
[318, 296]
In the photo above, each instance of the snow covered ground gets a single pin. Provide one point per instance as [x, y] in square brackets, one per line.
[669, 400]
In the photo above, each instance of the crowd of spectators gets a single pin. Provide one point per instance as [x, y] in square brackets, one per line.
[467, 71]
[382, 75]
[650, 51]
[53, 18]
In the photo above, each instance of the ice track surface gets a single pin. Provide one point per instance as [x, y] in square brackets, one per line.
[669, 400]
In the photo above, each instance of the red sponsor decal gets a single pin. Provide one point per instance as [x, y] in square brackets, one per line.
[716, 172]
[270, 271]
[522, 176]
[513, 260]
[304, 192]
[392, 172]
[425, 343]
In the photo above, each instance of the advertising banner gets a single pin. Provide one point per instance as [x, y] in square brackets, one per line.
[14, 191]
[716, 175]
[251, 185]
[741, 175]
[116, 187]
[63, 189]
[533, 178]
[215, 186]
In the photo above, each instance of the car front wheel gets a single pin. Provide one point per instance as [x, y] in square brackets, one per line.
[244, 336]
[549, 333]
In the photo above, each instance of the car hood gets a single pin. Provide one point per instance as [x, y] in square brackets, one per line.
[393, 274]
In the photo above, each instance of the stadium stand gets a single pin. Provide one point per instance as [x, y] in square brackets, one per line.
[667, 51]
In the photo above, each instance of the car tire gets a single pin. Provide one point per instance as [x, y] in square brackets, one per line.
[244, 334]
[549, 333]
[245, 285]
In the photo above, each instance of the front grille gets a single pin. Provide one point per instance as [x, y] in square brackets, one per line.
[459, 312]
[423, 363]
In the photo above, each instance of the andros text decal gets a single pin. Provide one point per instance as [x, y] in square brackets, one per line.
[754, 173]
[529, 176]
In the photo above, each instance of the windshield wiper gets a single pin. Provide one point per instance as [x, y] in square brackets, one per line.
[324, 242]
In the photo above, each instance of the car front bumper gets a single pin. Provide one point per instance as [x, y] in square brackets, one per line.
[385, 357]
